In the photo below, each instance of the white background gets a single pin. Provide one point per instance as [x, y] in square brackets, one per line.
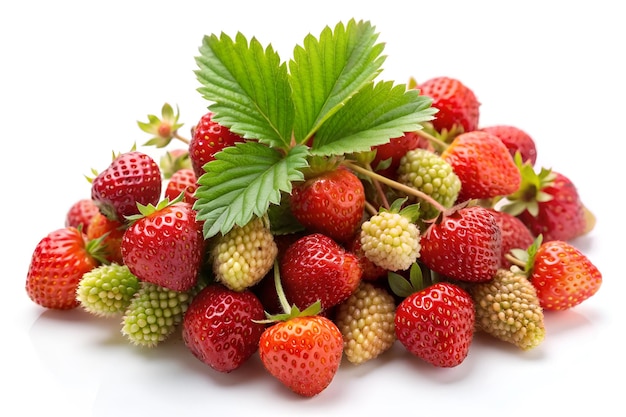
[76, 76]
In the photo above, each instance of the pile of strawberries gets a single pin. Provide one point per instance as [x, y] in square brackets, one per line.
[424, 241]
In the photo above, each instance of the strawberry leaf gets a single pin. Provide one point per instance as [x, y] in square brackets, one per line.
[326, 92]
[243, 181]
[249, 88]
[372, 116]
[325, 73]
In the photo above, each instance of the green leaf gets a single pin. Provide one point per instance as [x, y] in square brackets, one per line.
[372, 117]
[249, 88]
[325, 73]
[243, 181]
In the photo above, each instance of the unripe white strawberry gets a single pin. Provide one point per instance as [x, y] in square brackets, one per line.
[429, 173]
[508, 308]
[366, 321]
[106, 290]
[243, 256]
[391, 239]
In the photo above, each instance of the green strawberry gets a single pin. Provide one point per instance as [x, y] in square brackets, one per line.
[155, 312]
[107, 290]
[430, 173]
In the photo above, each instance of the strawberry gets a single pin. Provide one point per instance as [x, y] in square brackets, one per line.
[303, 353]
[221, 327]
[132, 177]
[436, 324]
[315, 267]
[563, 276]
[465, 245]
[456, 102]
[300, 348]
[243, 256]
[484, 166]
[331, 203]
[429, 173]
[182, 181]
[164, 245]
[548, 203]
[516, 140]
[111, 233]
[390, 238]
[514, 232]
[106, 291]
[388, 155]
[507, 307]
[154, 313]
[57, 265]
[209, 137]
[80, 214]
[366, 321]
[371, 271]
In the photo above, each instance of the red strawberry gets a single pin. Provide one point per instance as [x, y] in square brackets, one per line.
[394, 150]
[465, 245]
[515, 234]
[563, 276]
[57, 265]
[555, 210]
[80, 214]
[484, 166]
[316, 268]
[111, 232]
[515, 139]
[436, 324]
[209, 137]
[182, 181]
[221, 327]
[133, 177]
[457, 104]
[303, 353]
[331, 203]
[164, 245]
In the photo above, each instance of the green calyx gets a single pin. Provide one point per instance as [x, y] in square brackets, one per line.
[402, 287]
[171, 162]
[308, 106]
[163, 129]
[410, 212]
[147, 210]
[530, 192]
[523, 260]
[96, 248]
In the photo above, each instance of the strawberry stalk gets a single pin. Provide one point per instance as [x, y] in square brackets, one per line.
[394, 184]
[289, 311]
[437, 143]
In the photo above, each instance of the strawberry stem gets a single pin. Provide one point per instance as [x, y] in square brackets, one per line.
[379, 189]
[183, 139]
[430, 138]
[282, 298]
[394, 184]
[371, 209]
